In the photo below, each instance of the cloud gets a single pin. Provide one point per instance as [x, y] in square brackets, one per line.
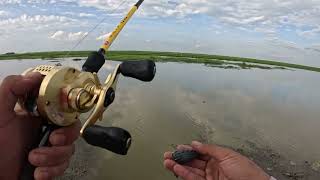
[310, 33]
[10, 1]
[86, 15]
[221, 26]
[65, 36]
[4, 13]
[68, 13]
[314, 47]
[284, 44]
[243, 21]
[250, 14]
[104, 36]
[262, 16]
[32, 21]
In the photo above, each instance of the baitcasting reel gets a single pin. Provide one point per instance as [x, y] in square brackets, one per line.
[66, 92]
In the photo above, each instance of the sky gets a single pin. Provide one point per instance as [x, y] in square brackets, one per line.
[284, 30]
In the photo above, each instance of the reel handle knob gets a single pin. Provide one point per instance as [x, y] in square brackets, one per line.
[94, 62]
[141, 70]
[114, 139]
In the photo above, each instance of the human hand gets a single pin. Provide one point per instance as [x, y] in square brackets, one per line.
[18, 130]
[215, 163]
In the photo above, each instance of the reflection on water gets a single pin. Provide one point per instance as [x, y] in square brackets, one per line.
[273, 109]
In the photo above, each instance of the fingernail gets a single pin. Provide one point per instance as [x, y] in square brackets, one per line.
[196, 143]
[58, 139]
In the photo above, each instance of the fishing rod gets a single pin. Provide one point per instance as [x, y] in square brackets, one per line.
[66, 93]
[96, 59]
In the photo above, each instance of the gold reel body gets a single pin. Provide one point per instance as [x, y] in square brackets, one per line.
[66, 92]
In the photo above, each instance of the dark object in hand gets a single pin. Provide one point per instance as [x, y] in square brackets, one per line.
[185, 156]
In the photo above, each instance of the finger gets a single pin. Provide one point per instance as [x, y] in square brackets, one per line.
[66, 135]
[184, 147]
[167, 155]
[199, 164]
[185, 173]
[169, 164]
[51, 156]
[48, 173]
[17, 86]
[219, 153]
[196, 171]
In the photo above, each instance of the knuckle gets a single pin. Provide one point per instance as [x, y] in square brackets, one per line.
[56, 171]
[11, 78]
[66, 152]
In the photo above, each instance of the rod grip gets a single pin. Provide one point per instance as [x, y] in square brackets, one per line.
[139, 3]
[142, 70]
[94, 62]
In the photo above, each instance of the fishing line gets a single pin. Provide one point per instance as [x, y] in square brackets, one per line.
[93, 28]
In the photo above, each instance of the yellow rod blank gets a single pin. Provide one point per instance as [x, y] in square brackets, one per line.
[118, 29]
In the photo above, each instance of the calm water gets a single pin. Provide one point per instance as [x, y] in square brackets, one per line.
[278, 109]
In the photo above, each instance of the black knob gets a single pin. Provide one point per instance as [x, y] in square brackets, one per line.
[114, 139]
[94, 62]
[142, 70]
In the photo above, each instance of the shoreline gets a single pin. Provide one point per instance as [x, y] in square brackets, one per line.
[226, 62]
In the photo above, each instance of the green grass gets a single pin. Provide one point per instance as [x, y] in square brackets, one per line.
[165, 57]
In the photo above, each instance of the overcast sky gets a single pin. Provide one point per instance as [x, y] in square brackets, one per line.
[287, 30]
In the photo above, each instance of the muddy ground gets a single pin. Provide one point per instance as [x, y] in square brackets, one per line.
[273, 163]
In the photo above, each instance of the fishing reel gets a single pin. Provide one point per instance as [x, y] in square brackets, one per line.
[66, 93]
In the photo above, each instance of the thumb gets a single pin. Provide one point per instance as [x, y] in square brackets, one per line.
[15, 87]
[217, 152]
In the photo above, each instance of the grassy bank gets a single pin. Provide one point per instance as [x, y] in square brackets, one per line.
[160, 57]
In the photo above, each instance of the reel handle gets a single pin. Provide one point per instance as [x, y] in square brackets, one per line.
[114, 139]
[42, 141]
[94, 62]
[141, 70]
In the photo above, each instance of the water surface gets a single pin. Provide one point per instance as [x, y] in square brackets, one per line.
[277, 110]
